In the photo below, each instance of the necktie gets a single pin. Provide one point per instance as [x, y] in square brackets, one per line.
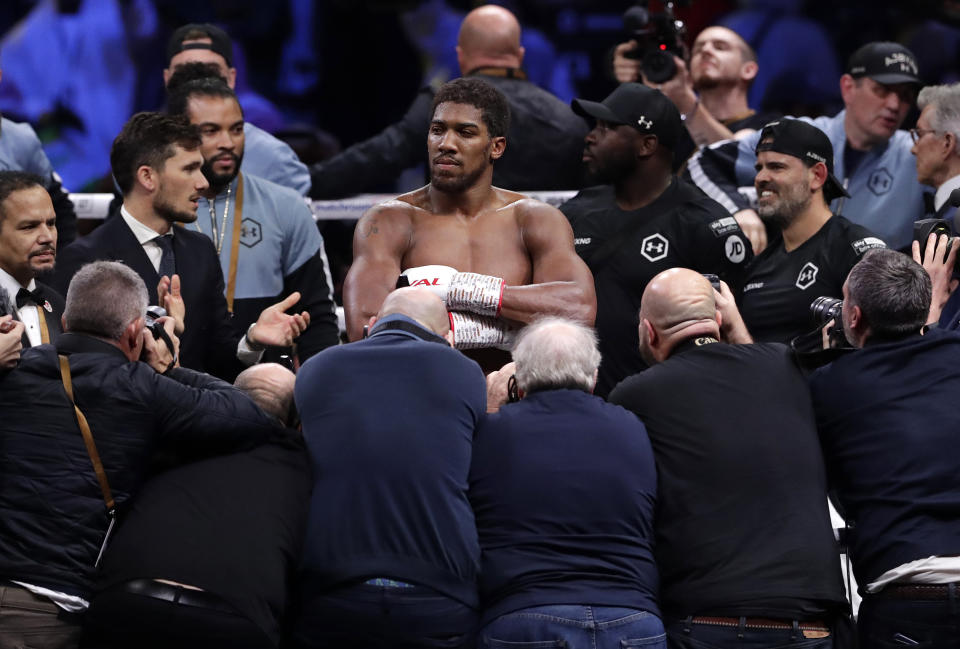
[25, 297]
[167, 264]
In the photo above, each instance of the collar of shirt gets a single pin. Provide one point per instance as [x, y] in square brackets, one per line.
[140, 231]
[13, 286]
[944, 191]
[28, 315]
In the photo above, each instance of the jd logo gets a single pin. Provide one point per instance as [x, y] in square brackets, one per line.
[807, 276]
[736, 251]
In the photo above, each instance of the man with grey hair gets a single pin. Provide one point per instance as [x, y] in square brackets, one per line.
[564, 488]
[888, 427]
[709, 408]
[938, 165]
[59, 490]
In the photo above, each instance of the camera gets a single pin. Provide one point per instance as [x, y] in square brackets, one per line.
[923, 228]
[824, 309]
[714, 281]
[154, 313]
[659, 38]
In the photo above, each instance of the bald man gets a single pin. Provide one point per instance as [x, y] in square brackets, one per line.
[743, 536]
[391, 554]
[545, 137]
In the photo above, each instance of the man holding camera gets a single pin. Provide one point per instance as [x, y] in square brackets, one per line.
[642, 219]
[871, 156]
[888, 426]
[744, 542]
[67, 468]
[815, 249]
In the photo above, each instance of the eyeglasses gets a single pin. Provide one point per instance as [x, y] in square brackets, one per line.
[917, 133]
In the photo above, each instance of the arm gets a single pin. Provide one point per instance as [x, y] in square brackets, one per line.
[703, 127]
[378, 160]
[562, 283]
[380, 240]
[732, 327]
[11, 333]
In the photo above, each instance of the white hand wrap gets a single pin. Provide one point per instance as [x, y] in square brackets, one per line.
[434, 277]
[480, 294]
[472, 331]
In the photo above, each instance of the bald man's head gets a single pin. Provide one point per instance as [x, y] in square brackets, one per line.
[270, 385]
[489, 36]
[420, 304]
[677, 304]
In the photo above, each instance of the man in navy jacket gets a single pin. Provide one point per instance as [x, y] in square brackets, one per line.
[391, 553]
[564, 489]
[889, 428]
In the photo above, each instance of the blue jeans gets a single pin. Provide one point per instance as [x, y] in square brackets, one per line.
[681, 635]
[921, 624]
[367, 616]
[574, 627]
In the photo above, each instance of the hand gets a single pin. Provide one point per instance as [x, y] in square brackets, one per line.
[155, 352]
[678, 89]
[753, 227]
[939, 267]
[732, 327]
[276, 328]
[11, 333]
[168, 294]
[625, 69]
[497, 386]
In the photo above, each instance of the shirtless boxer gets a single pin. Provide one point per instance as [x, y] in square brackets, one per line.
[497, 258]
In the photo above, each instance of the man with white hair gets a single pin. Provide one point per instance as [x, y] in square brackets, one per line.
[564, 486]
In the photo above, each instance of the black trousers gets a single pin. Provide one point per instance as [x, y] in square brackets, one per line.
[118, 618]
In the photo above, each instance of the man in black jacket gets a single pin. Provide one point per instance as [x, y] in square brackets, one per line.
[545, 136]
[219, 537]
[888, 426]
[55, 506]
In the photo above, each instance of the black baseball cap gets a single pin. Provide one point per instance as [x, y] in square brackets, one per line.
[634, 104]
[884, 62]
[805, 141]
[219, 41]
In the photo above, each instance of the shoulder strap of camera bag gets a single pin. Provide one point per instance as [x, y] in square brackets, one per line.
[91, 451]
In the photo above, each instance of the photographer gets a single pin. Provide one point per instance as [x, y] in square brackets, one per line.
[61, 487]
[888, 425]
[711, 93]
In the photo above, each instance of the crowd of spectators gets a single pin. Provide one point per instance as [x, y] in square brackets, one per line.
[661, 414]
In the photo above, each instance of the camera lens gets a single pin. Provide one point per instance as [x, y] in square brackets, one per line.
[825, 309]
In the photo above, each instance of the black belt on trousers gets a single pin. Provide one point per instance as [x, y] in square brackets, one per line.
[177, 595]
[918, 591]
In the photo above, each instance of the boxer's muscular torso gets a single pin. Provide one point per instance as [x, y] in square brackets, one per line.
[525, 242]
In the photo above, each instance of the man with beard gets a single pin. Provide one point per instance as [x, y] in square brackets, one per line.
[640, 219]
[815, 249]
[264, 234]
[156, 161]
[514, 255]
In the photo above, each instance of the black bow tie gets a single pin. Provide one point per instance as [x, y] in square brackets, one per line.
[25, 297]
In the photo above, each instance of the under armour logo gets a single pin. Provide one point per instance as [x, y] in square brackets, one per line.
[644, 122]
[807, 276]
[654, 247]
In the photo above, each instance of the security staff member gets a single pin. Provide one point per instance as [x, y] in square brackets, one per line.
[642, 219]
[815, 249]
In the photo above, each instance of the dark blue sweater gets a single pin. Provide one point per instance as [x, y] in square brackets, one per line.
[890, 431]
[564, 487]
[389, 425]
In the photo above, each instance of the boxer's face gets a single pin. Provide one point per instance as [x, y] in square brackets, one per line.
[460, 147]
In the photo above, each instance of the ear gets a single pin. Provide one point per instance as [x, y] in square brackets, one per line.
[520, 53]
[460, 63]
[818, 176]
[167, 73]
[131, 341]
[232, 78]
[749, 70]
[652, 337]
[596, 373]
[645, 145]
[148, 178]
[497, 146]
[63, 323]
[949, 145]
[719, 318]
[847, 84]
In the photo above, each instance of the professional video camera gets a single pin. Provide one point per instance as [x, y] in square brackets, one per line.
[659, 38]
[923, 228]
